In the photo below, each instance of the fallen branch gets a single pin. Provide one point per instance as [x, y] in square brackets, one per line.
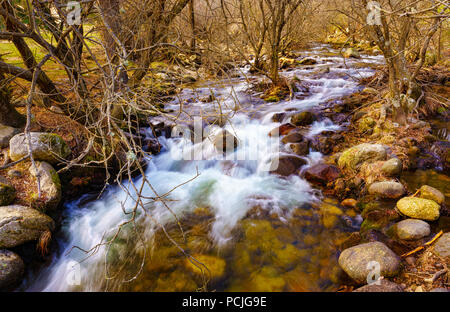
[423, 246]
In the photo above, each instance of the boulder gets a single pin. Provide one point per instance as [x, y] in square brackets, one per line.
[303, 119]
[7, 192]
[419, 208]
[442, 246]
[387, 189]
[322, 174]
[286, 165]
[300, 149]
[383, 286]
[293, 137]
[20, 224]
[224, 141]
[49, 183]
[354, 157]
[412, 229]
[393, 167]
[326, 142]
[429, 192]
[282, 130]
[11, 269]
[47, 147]
[352, 52]
[6, 133]
[355, 261]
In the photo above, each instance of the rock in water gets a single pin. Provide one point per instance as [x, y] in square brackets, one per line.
[351, 52]
[286, 165]
[429, 192]
[355, 261]
[282, 130]
[393, 167]
[442, 246]
[387, 189]
[6, 133]
[419, 208]
[47, 147]
[322, 174]
[50, 184]
[354, 157]
[11, 269]
[384, 286]
[303, 119]
[225, 142]
[7, 192]
[412, 229]
[20, 224]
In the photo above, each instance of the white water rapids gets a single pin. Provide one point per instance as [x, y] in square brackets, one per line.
[228, 188]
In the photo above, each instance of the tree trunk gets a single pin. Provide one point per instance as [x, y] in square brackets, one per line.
[8, 114]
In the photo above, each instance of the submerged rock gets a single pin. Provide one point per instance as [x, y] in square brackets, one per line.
[7, 192]
[429, 192]
[419, 208]
[215, 266]
[19, 224]
[442, 246]
[11, 269]
[354, 157]
[412, 229]
[393, 167]
[47, 147]
[322, 174]
[384, 286]
[355, 261]
[387, 189]
[49, 183]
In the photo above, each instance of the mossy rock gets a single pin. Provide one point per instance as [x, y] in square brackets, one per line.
[303, 119]
[7, 192]
[429, 192]
[354, 157]
[366, 124]
[419, 208]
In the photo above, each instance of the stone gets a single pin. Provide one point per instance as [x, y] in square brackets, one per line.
[303, 119]
[286, 165]
[47, 147]
[392, 167]
[429, 192]
[49, 183]
[224, 141]
[282, 130]
[387, 189]
[322, 174]
[307, 61]
[20, 224]
[419, 208]
[384, 286]
[293, 137]
[300, 149]
[11, 269]
[412, 229]
[442, 246]
[6, 133]
[352, 52]
[7, 192]
[355, 261]
[354, 157]
[349, 203]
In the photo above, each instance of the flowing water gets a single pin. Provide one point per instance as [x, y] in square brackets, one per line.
[253, 231]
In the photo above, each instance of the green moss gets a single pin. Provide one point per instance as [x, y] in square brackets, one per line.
[7, 194]
[272, 98]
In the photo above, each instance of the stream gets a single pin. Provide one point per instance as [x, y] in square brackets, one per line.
[254, 231]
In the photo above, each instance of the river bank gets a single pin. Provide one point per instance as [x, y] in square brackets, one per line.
[281, 233]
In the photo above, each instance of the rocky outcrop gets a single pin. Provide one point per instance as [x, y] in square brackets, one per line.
[387, 189]
[49, 183]
[11, 269]
[412, 229]
[419, 208]
[47, 147]
[354, 157]
[19, 224]
[355, 261]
